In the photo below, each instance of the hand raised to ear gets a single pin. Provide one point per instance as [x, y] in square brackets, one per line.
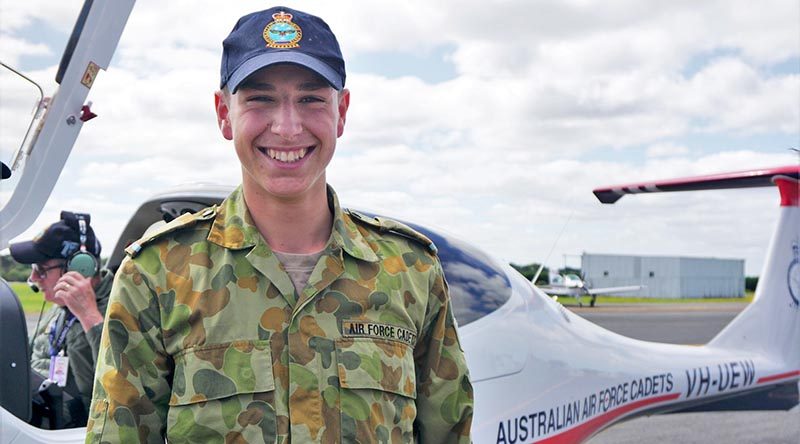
[77, 293]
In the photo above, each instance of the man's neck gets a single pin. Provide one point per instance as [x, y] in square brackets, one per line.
[299, 226]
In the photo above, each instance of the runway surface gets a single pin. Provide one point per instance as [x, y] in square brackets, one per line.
[688, 324]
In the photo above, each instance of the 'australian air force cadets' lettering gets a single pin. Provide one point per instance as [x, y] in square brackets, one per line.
[363, 329]
[553, 420]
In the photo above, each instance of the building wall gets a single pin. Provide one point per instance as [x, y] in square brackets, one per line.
[666, 277]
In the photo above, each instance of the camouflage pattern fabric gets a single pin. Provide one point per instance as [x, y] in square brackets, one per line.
[81, 347]
[207, 341]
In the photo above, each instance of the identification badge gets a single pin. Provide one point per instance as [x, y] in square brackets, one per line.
[60, 369]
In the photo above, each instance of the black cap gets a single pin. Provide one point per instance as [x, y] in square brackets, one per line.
[280, 35]
[60, 240]
[5, 171]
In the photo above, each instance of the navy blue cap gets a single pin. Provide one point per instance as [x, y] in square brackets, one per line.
[280, 35]
[5, 171]
[59, 240]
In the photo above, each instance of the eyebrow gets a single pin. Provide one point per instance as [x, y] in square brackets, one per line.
[264, 86]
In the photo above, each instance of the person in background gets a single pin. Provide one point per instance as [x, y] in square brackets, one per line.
[65, 267]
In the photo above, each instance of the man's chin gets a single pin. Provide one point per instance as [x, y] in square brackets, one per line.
[54, 300]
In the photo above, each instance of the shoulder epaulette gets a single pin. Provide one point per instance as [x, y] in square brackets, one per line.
[183, 221]
[384, 225]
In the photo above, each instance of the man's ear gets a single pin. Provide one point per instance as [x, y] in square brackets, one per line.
[221, 99]
[344, 104]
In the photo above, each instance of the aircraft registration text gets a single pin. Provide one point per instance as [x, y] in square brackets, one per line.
[719, 378]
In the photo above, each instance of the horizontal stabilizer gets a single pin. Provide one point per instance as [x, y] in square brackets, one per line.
[579, 291]
[739, 179]
[614, 290]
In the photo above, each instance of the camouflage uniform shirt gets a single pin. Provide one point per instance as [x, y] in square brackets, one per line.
[207, 341]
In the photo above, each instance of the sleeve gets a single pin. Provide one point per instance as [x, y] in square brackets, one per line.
[93, 338]
[83, 349]
[133, 376]
[94, 334]
[444, 390]
[40, 354]
[82, 360]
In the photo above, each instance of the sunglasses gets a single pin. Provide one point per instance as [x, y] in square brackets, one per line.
[42, 271]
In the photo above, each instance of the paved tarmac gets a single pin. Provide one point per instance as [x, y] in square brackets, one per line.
[688, 324]
[671, 323]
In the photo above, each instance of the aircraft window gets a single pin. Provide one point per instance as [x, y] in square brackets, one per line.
[605, 273]
[652, 274]
[478, 286]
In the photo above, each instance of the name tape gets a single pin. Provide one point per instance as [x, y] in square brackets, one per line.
[366, 329]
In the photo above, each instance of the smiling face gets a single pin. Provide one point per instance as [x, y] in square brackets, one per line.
[284, 121]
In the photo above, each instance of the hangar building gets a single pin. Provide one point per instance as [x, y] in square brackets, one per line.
[666, 277]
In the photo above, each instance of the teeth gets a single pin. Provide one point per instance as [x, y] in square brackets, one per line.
[287, 156]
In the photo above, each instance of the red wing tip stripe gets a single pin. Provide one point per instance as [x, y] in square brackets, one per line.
[583, 431]
[779, 376]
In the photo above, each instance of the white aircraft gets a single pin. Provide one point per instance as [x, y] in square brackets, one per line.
[570, 284]
[540, 373]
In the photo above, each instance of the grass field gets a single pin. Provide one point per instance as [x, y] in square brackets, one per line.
[31, 302]
[611, 300]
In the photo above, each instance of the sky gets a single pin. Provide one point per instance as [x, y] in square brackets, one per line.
[492, 121]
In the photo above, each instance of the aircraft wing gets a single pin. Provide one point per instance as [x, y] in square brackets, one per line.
[561, 291]
[614, 290]
[740, 179]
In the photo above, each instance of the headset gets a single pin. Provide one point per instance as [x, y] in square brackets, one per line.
[82, 261]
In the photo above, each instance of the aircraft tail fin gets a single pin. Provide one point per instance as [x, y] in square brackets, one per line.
[771, 323]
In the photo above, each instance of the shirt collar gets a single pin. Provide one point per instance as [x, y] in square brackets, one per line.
[233, 228]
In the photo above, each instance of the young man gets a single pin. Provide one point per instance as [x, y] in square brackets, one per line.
[278, 316]
[65, 261]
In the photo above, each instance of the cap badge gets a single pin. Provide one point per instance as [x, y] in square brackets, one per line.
[282, 33]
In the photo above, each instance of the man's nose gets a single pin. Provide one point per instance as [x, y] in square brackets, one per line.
[286, 122]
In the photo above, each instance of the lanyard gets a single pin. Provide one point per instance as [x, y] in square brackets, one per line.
[57, 340]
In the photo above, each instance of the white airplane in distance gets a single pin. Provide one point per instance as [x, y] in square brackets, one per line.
[570, 284]
[540, 373]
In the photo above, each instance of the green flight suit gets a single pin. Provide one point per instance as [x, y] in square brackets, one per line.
[80, 347]
[207, 340]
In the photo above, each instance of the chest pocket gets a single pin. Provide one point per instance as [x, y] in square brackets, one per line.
[378, 389]
[221, 389]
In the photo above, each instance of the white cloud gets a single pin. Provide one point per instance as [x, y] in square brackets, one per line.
[12, 48]
[666, 150]
[549, 101]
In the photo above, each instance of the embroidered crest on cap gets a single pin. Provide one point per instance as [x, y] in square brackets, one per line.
[282, 33]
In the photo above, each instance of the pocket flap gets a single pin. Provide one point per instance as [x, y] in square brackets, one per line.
[378, 364]
[217, 371]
